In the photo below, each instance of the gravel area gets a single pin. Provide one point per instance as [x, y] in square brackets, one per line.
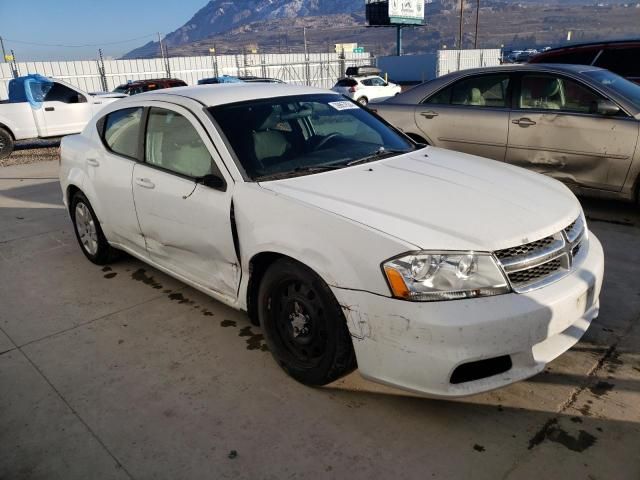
[33, 151]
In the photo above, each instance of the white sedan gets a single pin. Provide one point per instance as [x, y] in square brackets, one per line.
[434, 271]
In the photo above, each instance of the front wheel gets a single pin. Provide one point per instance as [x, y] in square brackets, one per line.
[303, 324]
[88, 231]
[6, 143]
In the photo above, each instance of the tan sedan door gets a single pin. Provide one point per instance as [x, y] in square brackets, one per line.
[470, 116]
[555, 129]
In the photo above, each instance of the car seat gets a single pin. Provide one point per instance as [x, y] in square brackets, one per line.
[268, 143]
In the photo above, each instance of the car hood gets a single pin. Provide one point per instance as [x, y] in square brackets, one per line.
[439, 199]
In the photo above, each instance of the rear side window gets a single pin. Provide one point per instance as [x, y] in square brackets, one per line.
[489, 91]
[346, 82]
[122, 131]
[623, 61]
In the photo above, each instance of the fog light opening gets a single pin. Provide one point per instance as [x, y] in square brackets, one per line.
[471, 371]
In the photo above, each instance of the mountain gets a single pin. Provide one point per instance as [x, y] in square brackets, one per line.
[219, 16]
[276, 26]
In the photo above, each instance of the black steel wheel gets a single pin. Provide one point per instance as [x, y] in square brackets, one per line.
[6, 143]
[303, 324]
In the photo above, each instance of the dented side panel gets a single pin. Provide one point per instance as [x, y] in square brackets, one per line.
[588, 150]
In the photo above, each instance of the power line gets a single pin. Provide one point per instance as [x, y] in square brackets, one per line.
[77, 46]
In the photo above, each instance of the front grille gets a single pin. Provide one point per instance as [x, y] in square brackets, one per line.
[535, 274]
[536, 264]
[525, 249]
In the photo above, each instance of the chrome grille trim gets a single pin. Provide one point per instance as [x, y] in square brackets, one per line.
[537, 264]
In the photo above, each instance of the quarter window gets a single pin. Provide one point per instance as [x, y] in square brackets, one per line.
[122, 131]
[547, 92]
[172, 143]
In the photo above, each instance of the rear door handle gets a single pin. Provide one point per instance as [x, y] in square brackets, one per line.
[145, 183]
[430, 114]
[93, 162]
[524, 122]
[49, 109]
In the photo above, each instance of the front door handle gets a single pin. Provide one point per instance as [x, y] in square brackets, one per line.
[93, 162]
[49, 109]
[429, 115]
[145, 183]
[524, 122]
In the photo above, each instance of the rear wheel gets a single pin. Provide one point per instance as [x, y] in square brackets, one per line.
[88, 231]
[6, 143]
[364, 101]
[303, 324]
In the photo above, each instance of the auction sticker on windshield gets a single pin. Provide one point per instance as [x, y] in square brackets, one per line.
[344, 105]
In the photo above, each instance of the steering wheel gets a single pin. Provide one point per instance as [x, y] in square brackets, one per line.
[327, 139]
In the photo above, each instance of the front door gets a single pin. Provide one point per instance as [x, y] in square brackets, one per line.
[66, 111]
[186, 225]
[555, 130]
[470, 116]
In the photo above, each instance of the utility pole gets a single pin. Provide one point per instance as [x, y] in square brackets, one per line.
[306, 57]
[475, 43]
[461, 19]
[165, 56]
[4, 53]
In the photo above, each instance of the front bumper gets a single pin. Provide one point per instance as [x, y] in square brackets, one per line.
[417, 346]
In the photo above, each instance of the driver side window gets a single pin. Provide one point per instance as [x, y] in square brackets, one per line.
[172, 143]
[549, 92]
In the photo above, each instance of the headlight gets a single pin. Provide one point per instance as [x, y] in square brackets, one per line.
[436, 276]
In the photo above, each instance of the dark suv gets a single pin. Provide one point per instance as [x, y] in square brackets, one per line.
[621, 57]
[141, 86]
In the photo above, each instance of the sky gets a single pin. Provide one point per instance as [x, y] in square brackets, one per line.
[90, 23]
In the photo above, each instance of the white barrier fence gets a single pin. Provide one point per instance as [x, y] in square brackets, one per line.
[320, 70]
[454, 60]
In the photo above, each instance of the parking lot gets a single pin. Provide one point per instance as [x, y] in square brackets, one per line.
[124, 372]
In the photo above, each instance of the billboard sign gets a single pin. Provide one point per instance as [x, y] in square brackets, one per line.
[410, 12]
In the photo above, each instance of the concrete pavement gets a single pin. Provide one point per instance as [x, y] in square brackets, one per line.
[123, 372]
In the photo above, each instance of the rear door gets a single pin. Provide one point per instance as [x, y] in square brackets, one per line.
[555, 130]
[471, 115]
[66, 111]
[110, 169]
[186, 225]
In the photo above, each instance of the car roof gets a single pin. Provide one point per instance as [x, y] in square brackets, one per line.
[226, 93]
[630, 42]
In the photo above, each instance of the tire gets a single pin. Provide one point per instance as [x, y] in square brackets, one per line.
[303, 324]
[89, 234]
[6, 143]
[364, 101]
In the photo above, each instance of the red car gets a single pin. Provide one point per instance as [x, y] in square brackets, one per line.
[140, 86]
[621, 57]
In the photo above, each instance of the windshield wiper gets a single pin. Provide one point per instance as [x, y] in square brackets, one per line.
[377, 155]
[299, 170]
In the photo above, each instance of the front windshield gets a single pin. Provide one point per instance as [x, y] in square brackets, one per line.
[624, 87]
[304, 134]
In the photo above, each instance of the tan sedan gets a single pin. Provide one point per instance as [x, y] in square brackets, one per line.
[575, 123]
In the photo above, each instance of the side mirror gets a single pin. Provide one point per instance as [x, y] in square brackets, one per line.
[213, 181]
[607, 107]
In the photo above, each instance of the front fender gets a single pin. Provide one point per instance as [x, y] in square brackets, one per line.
[345, 254]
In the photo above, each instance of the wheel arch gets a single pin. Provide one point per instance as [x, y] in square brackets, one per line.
[6, 127]
[258, 265]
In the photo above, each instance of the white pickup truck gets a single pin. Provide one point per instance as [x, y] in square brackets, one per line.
[40, 107]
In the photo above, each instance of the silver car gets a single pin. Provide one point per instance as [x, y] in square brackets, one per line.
[575, 123]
